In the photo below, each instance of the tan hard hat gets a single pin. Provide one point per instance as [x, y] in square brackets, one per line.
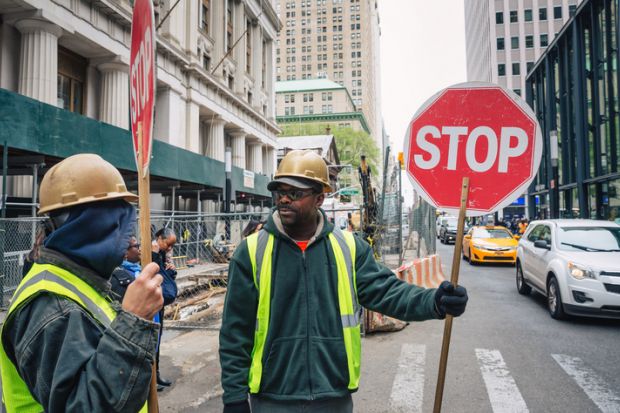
[80, 179]
[305, 164]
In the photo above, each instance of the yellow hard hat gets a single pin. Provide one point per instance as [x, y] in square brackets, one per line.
[80, 179]
[304, 164]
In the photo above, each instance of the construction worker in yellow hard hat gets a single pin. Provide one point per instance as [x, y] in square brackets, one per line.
[66, 347]
[290, 333]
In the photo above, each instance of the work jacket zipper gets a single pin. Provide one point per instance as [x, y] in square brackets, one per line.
[303, 258]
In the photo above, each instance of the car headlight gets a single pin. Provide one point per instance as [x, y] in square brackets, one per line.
[512, 248]
[579, 272]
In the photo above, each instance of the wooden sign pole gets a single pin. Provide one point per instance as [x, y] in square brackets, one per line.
[144, 190]
[447, 332]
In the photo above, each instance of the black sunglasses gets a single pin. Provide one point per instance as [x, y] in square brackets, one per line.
[293, 194]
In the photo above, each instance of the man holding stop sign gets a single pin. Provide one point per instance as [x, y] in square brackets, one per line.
[478, 137]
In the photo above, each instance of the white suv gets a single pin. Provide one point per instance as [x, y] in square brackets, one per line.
[574, 263]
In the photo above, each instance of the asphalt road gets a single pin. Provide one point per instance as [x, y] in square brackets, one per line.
[506, 355]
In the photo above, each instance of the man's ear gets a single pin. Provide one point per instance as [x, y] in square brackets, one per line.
[319, 199]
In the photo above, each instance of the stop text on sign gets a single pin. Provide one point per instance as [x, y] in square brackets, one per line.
[140, 71]
[484, 148]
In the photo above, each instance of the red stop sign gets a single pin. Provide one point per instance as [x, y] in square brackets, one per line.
[142, 78]
[476, 130]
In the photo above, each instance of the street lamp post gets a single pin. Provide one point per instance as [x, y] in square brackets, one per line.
[228, 189]
[554, 187]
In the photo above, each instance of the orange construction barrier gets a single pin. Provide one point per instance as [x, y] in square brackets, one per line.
[425, 272]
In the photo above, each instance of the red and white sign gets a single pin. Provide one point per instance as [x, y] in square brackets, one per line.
[476, 130]
[142, 77]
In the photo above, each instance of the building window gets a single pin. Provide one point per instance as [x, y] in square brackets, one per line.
[544, 40]
[248, 47]
[513, 16]
[501, 69]
[527, 15]
[206, 62]
[71, 78]
[529, 66]
[516, 69]
[514, 42]
[542, 13]
[557, 12]
[529, 41]
[518, 91]
[205, 15]
[500, 43]
[572, 9]
[264, 65]
[229, 25]
[499, 17]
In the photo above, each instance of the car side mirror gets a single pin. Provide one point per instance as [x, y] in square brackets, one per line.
[542, 244]
[517, 237]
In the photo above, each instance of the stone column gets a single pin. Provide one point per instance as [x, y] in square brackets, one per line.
[257, 157]
[249, 157]
[215, 143]
[238, 148]
[239, 50]
[192, 127]
[270, 162]
[38, 65]
[270, 76]
[114, 96]
[218, 32]
[257, 57]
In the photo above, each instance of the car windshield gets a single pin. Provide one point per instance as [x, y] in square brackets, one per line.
[589, 238]
[450, 223]
[490, 233]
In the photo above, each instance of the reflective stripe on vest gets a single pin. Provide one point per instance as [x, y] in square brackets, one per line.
[47, 278]
[260, 248]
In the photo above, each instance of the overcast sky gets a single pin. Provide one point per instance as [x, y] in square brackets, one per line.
[422, 52]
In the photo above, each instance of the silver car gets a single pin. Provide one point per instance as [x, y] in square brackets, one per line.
[574, 263]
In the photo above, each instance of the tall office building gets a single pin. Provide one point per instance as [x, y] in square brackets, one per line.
[337, 40]
[504, 38]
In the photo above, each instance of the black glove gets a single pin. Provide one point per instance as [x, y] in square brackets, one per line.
[450, 300]
[237, 407]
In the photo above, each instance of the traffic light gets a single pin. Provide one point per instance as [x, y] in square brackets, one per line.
[401, 159]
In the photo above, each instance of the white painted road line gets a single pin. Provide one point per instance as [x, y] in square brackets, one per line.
[408, 386]
[501, 387]
[594, 386]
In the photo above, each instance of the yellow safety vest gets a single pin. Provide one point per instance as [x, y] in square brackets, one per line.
[260, 246]
[47, 278]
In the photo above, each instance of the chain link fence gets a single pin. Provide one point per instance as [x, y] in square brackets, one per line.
[424, 228]
[17, 236]
[201, 239]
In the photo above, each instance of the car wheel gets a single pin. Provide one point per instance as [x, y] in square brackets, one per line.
[471, 258]
[522, 286]
[441, 239]
[554, 300]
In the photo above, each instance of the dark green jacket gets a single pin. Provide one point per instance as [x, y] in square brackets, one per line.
[304, 356]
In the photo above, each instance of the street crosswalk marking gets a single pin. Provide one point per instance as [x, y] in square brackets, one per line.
[408, 385]
[591, 383]
[501, 387]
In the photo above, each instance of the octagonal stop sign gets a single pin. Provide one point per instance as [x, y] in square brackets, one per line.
[476, 130]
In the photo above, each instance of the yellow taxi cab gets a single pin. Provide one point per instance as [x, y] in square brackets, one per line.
[490, 244]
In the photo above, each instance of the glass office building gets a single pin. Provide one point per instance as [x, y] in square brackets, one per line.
[573, 88]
